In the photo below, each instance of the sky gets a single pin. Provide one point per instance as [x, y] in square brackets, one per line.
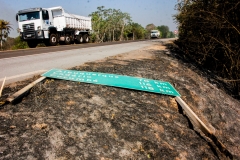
[144, 12]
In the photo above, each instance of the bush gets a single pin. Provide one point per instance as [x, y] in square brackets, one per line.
[209, 34]
[19, 44]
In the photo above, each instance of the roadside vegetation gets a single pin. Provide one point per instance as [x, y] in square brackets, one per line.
[5, 28]
[115, 25]
[209, 35]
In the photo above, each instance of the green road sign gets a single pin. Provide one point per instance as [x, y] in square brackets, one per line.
[114, 80]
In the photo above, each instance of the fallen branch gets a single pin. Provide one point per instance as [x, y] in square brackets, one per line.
[2, 86]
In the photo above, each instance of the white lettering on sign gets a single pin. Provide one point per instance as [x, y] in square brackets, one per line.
[146, 85]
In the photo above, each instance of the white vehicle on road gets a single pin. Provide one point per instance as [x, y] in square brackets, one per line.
[155, 34]
[52, 25]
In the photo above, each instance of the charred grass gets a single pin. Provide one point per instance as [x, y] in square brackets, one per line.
[61, 119]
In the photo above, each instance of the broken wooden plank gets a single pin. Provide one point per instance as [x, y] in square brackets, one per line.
[208, 132]
[194, 117]
[23, 90]
[2, 86]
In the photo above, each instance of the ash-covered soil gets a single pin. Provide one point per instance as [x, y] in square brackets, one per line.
[61, 119]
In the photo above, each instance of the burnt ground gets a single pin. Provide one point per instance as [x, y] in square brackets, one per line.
[62, 120]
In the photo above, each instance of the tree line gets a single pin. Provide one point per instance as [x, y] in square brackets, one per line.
[115, 25]
[209, 35]
[107, 24]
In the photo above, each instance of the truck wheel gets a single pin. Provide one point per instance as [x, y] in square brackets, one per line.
[53, 40]
[79, 39]
[32, 44]
[67, 39]
[85, 38]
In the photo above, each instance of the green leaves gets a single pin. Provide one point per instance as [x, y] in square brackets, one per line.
[4, 30]
[164, 30]
[19, 44]
[109, 24]
[138, 31]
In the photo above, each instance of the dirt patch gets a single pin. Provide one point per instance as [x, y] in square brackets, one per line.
[69, 120]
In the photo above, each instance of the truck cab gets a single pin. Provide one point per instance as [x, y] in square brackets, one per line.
[155, 34]
[34, 24]
[52, 26]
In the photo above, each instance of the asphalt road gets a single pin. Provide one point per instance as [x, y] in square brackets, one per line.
[31, 51]
[21, 64]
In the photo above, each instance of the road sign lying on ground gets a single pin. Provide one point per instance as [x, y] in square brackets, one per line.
[114, 80]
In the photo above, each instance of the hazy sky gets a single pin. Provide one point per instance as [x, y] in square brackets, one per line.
[158, 12]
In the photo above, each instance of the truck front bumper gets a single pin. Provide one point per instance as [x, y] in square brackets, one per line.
[154, 35]
[33, 35]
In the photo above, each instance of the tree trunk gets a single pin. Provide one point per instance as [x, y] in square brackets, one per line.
[110, 36]
[1, 37]
[102, 38]
[1, 44]
[113, 34]
[121, 36]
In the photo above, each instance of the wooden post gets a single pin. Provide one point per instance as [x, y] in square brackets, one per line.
[2, 86]
[194, 117]
[209, 133]
[20, 92]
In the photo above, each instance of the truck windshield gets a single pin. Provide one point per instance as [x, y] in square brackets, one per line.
[29, 16]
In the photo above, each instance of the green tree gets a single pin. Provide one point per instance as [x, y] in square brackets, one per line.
[125, 19]
[109, 24]
[4, 30]
[127, 32]
[164, 30]
[171, 34]
[138, 31]
[99, 24]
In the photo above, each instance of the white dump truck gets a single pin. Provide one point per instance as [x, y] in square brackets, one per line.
[155, 34]
[52, 26]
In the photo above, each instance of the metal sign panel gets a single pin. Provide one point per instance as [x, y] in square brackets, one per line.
[114, 80]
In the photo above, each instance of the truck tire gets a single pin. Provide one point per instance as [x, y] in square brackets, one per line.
[85, 38]
[32, 44]
[67, 39]
[79, 39]
[53, 40]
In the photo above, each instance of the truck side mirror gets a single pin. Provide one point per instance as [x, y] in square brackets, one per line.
[16, 17]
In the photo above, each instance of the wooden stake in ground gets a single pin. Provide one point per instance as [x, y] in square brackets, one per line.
[2, 86]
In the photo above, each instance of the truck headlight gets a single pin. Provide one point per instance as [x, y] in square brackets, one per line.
[39, 27]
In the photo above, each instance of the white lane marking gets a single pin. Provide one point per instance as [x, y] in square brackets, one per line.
[25, 74]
